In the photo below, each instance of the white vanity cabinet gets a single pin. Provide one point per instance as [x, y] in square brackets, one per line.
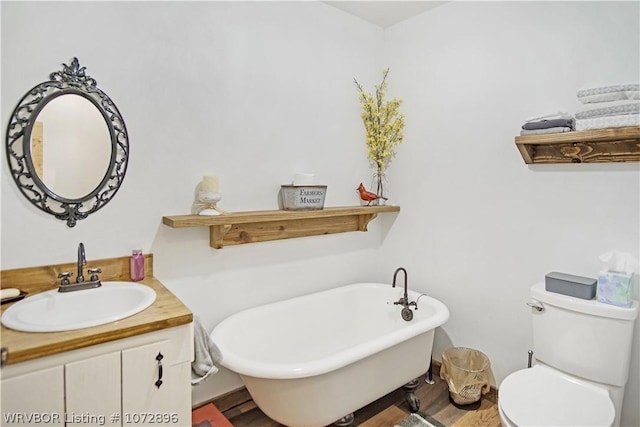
[151, 398]
[92, 386]
[138, 381]
[32, 395]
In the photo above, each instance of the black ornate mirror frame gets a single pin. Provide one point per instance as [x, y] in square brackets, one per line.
[71, 80]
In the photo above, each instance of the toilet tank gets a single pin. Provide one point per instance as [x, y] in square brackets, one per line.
[584, 338]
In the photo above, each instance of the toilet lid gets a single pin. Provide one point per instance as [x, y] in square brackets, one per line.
[539, 397]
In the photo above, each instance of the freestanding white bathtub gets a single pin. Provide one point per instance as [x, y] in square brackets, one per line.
[311, 360]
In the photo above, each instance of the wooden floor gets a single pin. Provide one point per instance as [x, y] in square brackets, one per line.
[386, 411]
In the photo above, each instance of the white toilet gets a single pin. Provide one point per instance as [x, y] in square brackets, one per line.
[582, 350]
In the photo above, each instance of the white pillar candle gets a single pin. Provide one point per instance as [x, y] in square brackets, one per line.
[211, 184]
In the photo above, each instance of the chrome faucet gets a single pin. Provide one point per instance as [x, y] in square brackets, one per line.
[94, 281]
[407, 314]
[82, 261]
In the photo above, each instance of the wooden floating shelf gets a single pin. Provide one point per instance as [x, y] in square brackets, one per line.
[588, 146]
[236, 228]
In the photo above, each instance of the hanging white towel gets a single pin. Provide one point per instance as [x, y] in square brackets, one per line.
[206, 354]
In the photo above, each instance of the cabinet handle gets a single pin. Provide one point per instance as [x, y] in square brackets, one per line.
[159, 358]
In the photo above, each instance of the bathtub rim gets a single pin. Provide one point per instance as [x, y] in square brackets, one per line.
[250, 367]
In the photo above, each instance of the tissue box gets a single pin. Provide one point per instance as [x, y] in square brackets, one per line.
[615, 288]
[568, 284]
[303, 197]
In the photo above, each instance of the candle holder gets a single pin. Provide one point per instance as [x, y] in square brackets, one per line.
[208, 202]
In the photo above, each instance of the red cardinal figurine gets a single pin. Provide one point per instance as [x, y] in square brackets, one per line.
[368, 196]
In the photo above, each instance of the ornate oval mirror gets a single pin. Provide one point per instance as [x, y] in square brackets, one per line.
[67, 145]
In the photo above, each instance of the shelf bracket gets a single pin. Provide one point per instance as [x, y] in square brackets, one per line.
[364, 220]
[216, 235]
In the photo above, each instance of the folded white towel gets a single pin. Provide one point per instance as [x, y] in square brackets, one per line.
[612, 92]
[206, 354]
[609, 108]
[608, 122]
[550, 116]
[590, 89]
[559, 129]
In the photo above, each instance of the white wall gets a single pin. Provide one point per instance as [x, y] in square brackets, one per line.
[254, 92]
[478, 226]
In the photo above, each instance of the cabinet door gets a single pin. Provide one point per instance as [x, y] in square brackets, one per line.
[36, 398]
[92, 389]
[155, 386]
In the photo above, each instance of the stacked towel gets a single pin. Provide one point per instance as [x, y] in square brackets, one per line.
[550, 123]
[605, 93]
[609, 106]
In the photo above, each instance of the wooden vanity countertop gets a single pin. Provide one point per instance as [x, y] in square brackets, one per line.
[166, 311]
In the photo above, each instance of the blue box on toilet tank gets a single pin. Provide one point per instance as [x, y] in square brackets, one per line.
[615, 288]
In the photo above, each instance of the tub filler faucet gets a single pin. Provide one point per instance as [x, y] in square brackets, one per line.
[81, 283]
[407, 314]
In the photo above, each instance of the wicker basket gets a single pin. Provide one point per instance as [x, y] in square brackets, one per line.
[468, 395]
[468, 374]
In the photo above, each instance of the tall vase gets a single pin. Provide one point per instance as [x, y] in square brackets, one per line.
[380, 186]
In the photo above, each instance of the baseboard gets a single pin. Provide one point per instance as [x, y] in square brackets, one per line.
[228, 400]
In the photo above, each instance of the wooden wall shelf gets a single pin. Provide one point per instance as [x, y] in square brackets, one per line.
[260, 226]
[588, 146]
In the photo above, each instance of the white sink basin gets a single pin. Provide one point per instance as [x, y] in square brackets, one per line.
[54, 311]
